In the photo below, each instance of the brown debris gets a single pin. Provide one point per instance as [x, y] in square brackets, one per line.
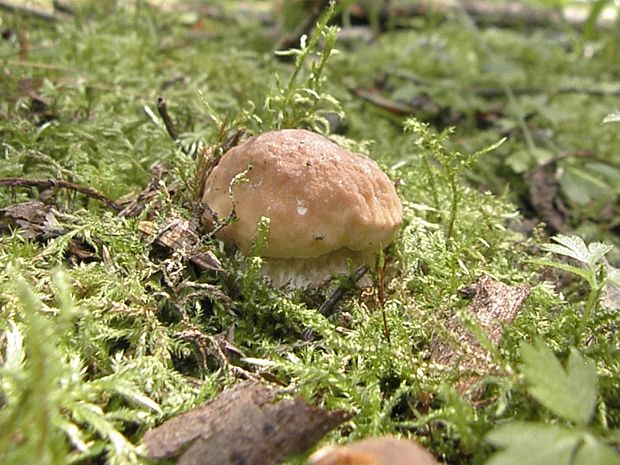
[60, 184]
[136, 205]
[40, 108]
[494, 304]
[544, 197]
[178, 235]
[37, 221]
[327, 307]
[245, 424]
[34, 219]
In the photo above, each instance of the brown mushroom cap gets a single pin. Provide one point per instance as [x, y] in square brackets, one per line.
[382, 450]
[320, 198]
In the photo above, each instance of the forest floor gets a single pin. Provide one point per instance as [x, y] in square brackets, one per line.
[489, 332]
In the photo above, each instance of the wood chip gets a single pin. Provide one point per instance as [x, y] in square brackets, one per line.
[494, 304]
[178, 235]
[245, 424]
[34, 219]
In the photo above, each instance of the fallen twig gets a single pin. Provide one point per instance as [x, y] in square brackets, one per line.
[59, 183]
[497, 92]
[378, 100]
[178, 235]
[327, 306]
[484, 92]
[34, 64]
[139, 202]
[162, 109]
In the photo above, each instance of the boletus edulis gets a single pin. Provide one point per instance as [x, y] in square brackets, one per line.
[329, 209]
[378, 450]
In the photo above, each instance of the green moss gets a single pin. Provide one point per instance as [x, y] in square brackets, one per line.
[117, 343]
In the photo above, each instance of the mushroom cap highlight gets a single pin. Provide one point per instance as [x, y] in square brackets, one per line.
[320, 198]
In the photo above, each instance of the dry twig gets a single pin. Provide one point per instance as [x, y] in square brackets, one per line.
[59, 183]
[162, 109]
[327, 307]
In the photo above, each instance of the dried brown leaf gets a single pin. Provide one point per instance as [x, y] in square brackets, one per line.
[246, 424]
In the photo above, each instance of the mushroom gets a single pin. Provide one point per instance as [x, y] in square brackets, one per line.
[382, 450]
[328, 208]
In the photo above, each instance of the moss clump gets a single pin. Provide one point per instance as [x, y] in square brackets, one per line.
[93, 351]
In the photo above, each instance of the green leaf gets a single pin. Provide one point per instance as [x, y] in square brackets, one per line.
[596, 251]
[582, 272]
[584, 186]
[575, 247]
[592, 452]
[532, 444]
[612, 118]
[570, 393]
[570, 246]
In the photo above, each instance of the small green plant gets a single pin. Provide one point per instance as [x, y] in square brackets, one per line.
[298, 102]
[570, 394]
[451, 165]
[590, 267]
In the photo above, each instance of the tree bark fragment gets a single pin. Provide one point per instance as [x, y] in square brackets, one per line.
[494, 304]
[243, 425]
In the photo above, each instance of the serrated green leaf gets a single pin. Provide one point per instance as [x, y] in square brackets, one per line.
[532, 444]
[575, 247]
[570, 246]
[570, 393]
[596, 251]
[593, 452]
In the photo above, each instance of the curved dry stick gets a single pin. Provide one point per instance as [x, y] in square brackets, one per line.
[59, 183]
[326, 307]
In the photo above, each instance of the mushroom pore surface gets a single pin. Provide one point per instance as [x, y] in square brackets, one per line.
[320, 198]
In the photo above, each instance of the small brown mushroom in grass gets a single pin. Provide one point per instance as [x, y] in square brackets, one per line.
[330, 210]
[384, 450]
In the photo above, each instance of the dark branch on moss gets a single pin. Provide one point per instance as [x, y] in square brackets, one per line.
[327, 307]
[162, 109]
[60, 184]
